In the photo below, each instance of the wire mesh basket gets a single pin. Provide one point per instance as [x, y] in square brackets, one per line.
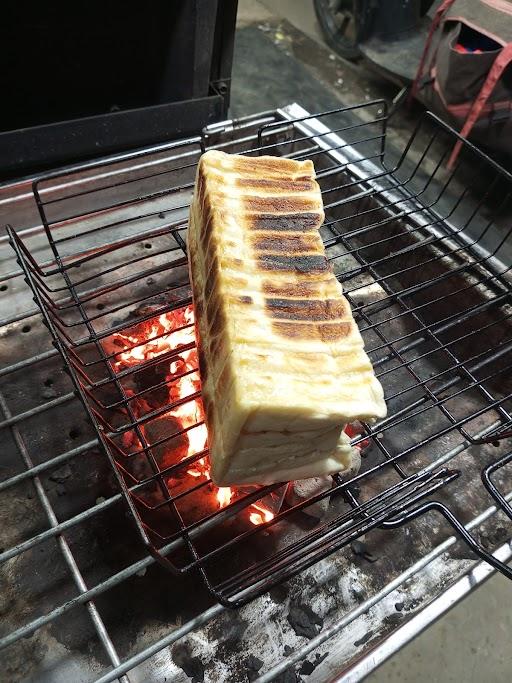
[424, 257]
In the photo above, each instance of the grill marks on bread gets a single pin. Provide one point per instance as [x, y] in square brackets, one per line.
[280, 204]
[274, 167]
[284, 222]
[326, 310]
[283, 213]
[326, 332]
[303, 265]
[285, 239]
[275, 243]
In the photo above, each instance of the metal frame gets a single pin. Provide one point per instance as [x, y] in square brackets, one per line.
[194, 93]
[26, 149]
[422, 484]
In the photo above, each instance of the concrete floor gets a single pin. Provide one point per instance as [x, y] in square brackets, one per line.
[300, 13]
[472, 643]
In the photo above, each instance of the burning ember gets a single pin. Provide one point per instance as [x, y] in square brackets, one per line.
[355, 429]
[180, 383]
[261, 516]
[163, 334]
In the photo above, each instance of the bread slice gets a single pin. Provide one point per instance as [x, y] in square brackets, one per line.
[282, 362]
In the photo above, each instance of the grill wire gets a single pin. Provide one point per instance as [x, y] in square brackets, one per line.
[397, 240]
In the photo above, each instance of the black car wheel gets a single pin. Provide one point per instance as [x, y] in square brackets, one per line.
[337, 19]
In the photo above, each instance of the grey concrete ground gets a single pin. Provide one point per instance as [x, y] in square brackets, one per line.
[300, 13]
[473, 642]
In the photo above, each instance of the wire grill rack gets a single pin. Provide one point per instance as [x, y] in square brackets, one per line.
[412, 243]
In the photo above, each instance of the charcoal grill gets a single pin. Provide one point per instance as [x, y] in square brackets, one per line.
[424, 257]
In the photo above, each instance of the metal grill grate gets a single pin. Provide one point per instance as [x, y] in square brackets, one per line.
[411, 242]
